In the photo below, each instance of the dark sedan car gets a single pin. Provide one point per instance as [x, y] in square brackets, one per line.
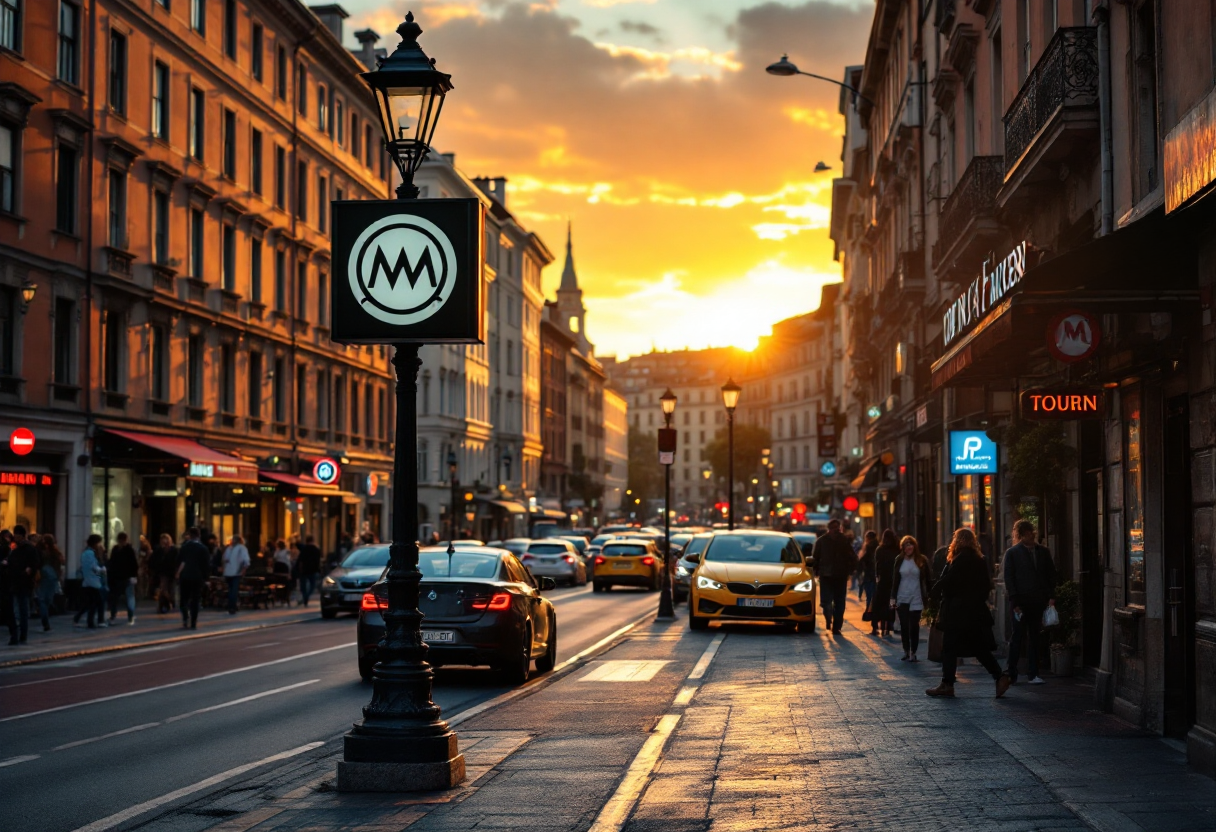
[342, 589]
[682, 580]
[481, 607]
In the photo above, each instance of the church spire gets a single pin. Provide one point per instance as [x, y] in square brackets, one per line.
[569, 278]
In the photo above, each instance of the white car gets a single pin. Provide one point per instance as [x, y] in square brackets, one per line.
[557, 559]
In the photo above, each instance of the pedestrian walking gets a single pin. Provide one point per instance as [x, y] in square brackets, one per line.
[194, 565]
[123, 571]
[235, 564]
[884, 566]
[911, 580]
[21, 564]
[310, 567]
[938, 565]
[1030, 581]
[92, 579]
[835, 561]
[163, 565]
[50, 577]
[865, 568]
[964, 617]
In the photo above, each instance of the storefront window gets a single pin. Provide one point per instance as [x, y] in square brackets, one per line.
[1133, 498]
[966, 501]
[113, 509]
[28, 499]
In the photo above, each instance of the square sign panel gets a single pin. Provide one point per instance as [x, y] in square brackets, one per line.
[408, 271]
[972, 452]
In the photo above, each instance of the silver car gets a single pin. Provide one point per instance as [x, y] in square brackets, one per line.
[557, 559]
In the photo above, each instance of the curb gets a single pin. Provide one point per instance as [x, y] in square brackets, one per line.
[115, 648]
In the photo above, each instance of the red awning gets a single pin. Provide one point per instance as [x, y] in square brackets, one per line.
[203, 463]
[304, 485]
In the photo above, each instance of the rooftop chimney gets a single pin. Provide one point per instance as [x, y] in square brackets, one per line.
[332, 16]
[367, 53]
[494, 187]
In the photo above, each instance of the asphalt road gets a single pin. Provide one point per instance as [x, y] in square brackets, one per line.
[83, 739]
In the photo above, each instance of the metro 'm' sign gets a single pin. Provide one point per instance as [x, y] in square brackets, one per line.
[1064, 403]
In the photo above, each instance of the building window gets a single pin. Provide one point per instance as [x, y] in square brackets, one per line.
[302, 90]
[322, 108]
[302, 191]
[368, 149]
[1144, 95]
[1133, 496]
[1022, 21]
[228, 254]
[322, 207]
[998, 94]
[197, 243]
[194, 371]
[339, 405]
[322, 299]
[256, 49]
[354, 407]
[354, 135]
[368, 399]
[254, 393]
[381, 409]
[301, 395]
[160, 364]
[280, 177]
[198, 16]
[279, 391]
[302, 290]
[10, 24]
[230, 28]
[8, 331]
[117, 188]
[230, 144]
[115, 337]
[340, 122]
[280, 72]
[67, 174]
[255, 270]
[198, 123]
[160, 101]
[280, 280]
[118, 73]
[64, 348]
[69, 42]
[8, 171]
[255, 161]
[227, 379]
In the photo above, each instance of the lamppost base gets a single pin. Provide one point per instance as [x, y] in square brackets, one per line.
[400, 777]
[379, 759]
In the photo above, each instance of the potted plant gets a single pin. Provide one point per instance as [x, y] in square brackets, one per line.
[1068, 607]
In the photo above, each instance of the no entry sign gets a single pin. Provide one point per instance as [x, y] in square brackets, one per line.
[408, 271]
[21, 441]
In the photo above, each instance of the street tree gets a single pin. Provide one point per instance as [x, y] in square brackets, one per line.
[750, 442]
[645, 472]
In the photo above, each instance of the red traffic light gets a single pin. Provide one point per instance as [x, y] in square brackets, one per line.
[851, 503]
[799, 508]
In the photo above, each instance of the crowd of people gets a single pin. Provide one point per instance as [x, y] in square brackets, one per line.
[899, 583]
[174, 574]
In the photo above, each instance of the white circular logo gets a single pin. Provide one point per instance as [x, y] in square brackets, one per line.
[326, 471]
[402, 269]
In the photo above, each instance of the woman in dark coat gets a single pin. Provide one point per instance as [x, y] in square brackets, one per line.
[964, 616]
[884, 566]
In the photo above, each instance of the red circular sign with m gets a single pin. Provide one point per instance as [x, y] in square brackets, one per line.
[1073, 336]
[21, 441]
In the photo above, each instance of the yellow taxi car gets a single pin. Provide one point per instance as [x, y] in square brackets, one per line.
[753, 575]
[627, 562]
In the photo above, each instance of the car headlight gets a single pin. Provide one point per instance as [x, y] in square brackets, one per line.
[707, 583]
[682, 571]
[806, 586]
[328, 581]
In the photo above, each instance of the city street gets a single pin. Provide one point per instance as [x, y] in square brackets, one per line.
[122, 728]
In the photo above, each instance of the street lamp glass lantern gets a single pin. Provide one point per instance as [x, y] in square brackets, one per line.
[784, 67]
[28, 288]
[409, 94]
[730, 395]
[668, 402]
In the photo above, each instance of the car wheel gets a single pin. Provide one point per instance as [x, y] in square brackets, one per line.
[365, 668]
[329, 613]
[696, 622]
[548, 661]
[517, 667]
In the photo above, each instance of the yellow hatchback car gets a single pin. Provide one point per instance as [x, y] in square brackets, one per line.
[627, 562]
[753, 575]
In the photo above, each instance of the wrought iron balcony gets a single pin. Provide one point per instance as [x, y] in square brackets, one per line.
[1063, 84]
[970, 205]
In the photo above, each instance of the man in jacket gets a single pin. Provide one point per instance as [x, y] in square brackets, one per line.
[22, 566]
[124, 574]
[310, 567]
[235, 563]
[193, 568]
[835, 563]
[1030, 580]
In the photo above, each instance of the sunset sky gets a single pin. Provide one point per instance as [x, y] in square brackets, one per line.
[686, 170]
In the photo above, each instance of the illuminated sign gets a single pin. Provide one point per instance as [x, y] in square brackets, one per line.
[21, 441]
[202, 469]
[1063, 403]
[851, 503]
[326, 471]
[373, 485]
[219, 471]
[828, 469]
[22, 478]
[983, 293]
[972, 452]
[1073, 336]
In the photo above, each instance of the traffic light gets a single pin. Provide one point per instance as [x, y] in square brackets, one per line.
[851, 503]
[468, 496]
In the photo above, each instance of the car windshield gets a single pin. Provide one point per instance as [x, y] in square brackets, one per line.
[805, 539]
[617, 550]
[547, 549]
[696, 545]
[366, 557]
[680, 539]
[516, 546]
[751, 548]
[463, 565]
[580, 543]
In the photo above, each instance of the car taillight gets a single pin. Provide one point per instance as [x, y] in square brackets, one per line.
[526, 557]
[373, 604]
[648, 561]
[498, 601]
[568, 558]
[600, 561]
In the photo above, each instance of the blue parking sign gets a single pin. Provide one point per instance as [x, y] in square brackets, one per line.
[972, 452]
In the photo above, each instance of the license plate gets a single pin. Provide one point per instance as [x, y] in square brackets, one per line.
[353, 596]
[438, 635]
[548, 561]
[755, 602]
[622, 566]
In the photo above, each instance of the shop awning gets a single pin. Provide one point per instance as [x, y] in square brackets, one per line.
[510, 506]
[551, 513]
[305, 486]
[202, 463]
[867, 477]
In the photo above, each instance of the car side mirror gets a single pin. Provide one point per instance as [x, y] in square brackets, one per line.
[546, 583]
[695, 557]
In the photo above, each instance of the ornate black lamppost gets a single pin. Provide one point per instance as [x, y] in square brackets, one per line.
[401, 744]
[666, 607]
[730, 400]
[453, 518]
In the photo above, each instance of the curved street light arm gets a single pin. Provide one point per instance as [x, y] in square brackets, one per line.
[853, 90]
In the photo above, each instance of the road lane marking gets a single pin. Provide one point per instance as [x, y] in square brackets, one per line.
[241, 701]
[702, 664]
[623, 671]
[12, 761]
[260, 646]
[148, 805]
[612, 817]
[82, 675]
[130, 730]
[183, 682]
